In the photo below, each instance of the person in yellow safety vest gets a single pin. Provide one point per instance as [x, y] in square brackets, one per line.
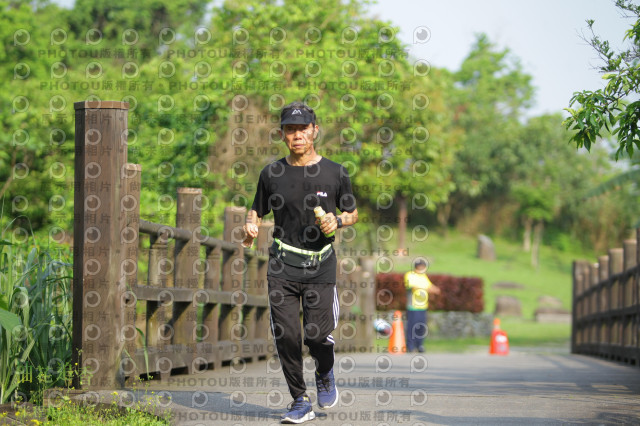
[418, 288]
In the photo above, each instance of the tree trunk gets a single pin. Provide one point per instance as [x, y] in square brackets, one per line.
[526, 240]
[537, 238]
[444, 213]
[402, 223]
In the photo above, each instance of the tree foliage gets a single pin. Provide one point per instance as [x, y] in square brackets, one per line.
[205, 88]
[205, 97]
[615, 109]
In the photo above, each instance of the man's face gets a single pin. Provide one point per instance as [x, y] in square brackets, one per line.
[298, 137]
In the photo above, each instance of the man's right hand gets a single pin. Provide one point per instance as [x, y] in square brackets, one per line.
[250, 232]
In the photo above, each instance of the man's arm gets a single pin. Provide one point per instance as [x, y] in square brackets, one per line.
[349, 219]
[250, 228]
[433, 289]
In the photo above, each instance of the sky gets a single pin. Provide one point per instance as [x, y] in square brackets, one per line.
[544, 34]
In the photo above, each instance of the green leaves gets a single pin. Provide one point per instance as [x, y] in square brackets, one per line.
[8, 320]
[494, 93]
[35, 315]
[609, 111]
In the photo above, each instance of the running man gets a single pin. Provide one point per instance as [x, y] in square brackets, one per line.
[302, 263]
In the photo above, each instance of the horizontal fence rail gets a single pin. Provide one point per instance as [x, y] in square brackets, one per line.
[155, 300]
[606, 305]
[200, 311]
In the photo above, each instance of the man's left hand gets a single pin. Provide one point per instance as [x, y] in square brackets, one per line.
[328, 223]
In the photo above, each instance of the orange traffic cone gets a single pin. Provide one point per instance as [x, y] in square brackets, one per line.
[397, 343]
[499, 341]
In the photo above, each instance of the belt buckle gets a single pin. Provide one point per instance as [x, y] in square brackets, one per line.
[312, 262]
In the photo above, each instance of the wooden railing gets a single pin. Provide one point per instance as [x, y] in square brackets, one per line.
[204, 300]
[606, 305]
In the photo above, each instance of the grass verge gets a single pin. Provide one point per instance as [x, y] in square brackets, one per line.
[68, 412]
[523, 334]
[456, 255]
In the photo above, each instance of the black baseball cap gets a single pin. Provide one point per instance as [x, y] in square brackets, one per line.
[297, 113]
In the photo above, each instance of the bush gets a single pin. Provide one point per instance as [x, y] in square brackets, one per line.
[35, 321]
[458, 293]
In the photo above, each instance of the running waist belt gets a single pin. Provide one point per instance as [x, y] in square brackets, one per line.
[300, 258]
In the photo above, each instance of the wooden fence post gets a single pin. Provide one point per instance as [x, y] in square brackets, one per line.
[629, 336]
[607, 305]
[250, 311]
[603, 272]
[577, 280]
[629, 261]
[629, 248]
[211, 311]
[187, 254]
[130, 206]
[233, 269]
[100, 154]
[592, 302]
[156, 329]
[616, 257]
[264, 241]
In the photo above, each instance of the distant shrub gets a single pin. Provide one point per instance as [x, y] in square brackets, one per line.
[458, 293]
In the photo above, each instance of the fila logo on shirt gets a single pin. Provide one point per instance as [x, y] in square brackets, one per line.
[321, 194]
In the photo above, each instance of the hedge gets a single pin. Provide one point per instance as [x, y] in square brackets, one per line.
[457, 293]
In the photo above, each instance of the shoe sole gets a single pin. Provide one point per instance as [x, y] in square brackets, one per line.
[324, 407]
[309, 416]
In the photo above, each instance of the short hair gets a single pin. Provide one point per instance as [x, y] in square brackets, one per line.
[419, 262]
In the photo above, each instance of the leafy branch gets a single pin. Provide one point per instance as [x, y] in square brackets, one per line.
[611, 108]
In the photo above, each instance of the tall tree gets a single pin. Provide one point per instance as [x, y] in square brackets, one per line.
[141, 26]
[542, 163]
[492, 94]
[204, 99]
[382, 115]
[33, 187]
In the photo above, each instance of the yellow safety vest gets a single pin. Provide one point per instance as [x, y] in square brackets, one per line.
[417, 295]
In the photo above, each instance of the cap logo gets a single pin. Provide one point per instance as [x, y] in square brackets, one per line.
[296, 111]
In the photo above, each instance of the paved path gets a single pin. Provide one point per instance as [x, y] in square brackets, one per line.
[415, 389]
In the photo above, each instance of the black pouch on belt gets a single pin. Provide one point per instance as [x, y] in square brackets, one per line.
[300, 258]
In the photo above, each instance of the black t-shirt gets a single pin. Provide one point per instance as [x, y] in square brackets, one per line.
[292, 192]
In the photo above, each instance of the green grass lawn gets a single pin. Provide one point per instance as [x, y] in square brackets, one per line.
[521, 333]
[456, 255]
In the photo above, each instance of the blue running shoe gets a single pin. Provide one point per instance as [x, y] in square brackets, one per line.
[327, 392]
[300, 411]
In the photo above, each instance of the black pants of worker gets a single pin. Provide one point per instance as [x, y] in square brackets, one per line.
[416, 329]
[320, 317]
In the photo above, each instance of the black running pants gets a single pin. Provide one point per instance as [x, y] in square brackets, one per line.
[320, 317]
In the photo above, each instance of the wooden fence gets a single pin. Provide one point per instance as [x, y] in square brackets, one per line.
[204, 300]
[606, 305]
